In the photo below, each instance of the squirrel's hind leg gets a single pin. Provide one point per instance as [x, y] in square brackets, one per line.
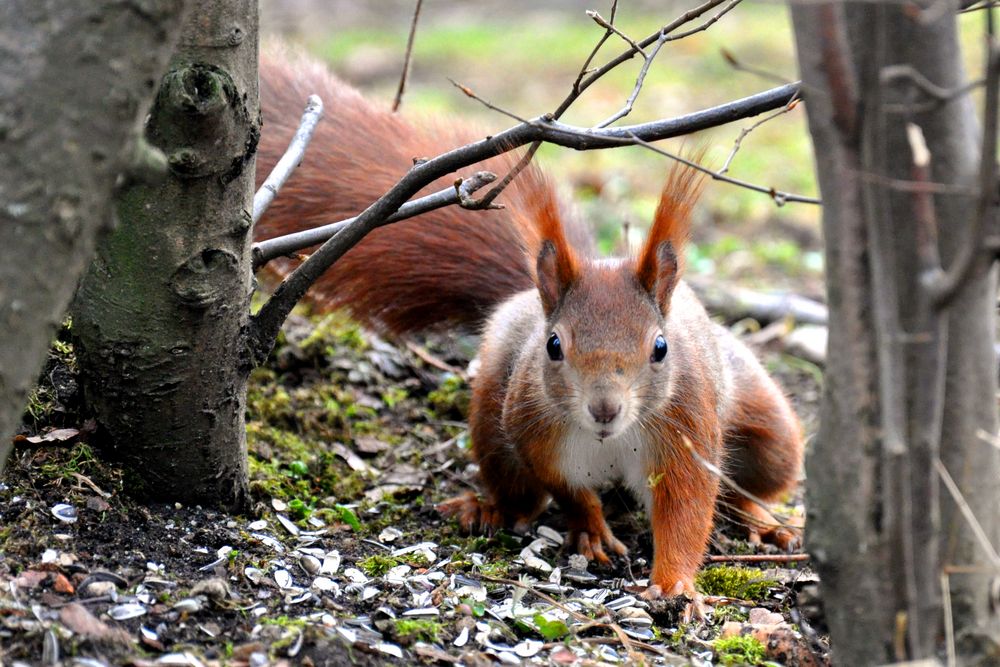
[763, 450]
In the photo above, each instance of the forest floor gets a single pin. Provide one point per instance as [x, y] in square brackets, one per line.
[343, 558]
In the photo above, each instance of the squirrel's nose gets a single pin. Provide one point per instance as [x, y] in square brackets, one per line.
[604, 410]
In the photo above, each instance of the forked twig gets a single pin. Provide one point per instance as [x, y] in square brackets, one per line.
[640, 79]
[460, 193]
[599, 20]
[588, 77]
[794, 102]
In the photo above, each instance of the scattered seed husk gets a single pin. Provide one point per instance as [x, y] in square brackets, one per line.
[65, 513]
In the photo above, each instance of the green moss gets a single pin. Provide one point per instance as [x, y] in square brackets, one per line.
[80, 460]
[729, 612]
[393, 396]
[451, 398]
[417, 560]
[733, 582]
[334, 330]
[411, 629]
[378, 564]
[740, 650]
[497, 568]
[285, 621]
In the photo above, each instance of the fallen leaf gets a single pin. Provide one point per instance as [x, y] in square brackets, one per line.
[76, 617]
[60, 435]
[370, 445]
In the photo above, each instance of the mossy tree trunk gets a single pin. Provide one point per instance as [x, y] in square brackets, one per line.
[76, 79]
[160, 316]
[911, 377]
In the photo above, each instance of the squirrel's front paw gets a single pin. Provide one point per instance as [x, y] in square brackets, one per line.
[592, 542]
[473, 514]
[694, 610]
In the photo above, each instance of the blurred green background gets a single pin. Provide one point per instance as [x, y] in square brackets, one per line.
[523, 56]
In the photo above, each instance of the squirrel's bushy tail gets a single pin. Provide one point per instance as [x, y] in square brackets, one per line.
[447, 267]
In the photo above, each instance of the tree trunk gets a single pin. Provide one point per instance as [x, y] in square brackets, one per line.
[74, 83]
[160, 316]
[908, 382]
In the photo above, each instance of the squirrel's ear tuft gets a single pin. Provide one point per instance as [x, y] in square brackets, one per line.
[555, 271]
[556, 263]
[660, 260]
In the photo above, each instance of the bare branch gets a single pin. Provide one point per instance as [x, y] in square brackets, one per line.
[976, 6]
[738, 65]
[737, 302]
[970, 518]
[407, 59]
[599, 20]
[291, 159]
[640, 79]
[580, 84]
[267, 322]
[893, 73]
[585, 68]
[487, 199]
[468, 92]
[949, 620]
[759, 558]
[745, 131]
[594, 76]
[461, 193]
[924, 186]
[780, 197]
[989, 438]
[945, 285]
[706, 25]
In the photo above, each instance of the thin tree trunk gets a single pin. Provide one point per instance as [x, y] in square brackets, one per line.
[907, 382]
[74, 85]
[160, 316]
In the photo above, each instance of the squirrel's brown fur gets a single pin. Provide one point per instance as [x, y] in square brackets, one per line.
[592, 370]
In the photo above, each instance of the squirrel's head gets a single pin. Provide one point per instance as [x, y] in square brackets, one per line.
[607, 354]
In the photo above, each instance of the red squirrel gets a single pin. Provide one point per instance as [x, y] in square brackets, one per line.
[592, 370]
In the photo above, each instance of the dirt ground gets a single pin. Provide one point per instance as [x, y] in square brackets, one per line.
[343, 559]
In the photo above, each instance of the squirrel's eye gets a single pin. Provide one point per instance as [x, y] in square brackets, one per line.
[659, 349]
[554, 348]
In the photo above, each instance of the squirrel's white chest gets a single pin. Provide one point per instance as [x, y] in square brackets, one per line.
[588, 462]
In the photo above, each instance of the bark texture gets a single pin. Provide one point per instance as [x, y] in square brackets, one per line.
[160, 316]
[75, 79]
[907, 383]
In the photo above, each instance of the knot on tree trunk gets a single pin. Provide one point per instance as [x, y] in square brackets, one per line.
[202, 123]
[205, 278]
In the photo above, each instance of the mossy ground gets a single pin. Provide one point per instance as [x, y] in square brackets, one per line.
[326, 446]
[739, 651]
